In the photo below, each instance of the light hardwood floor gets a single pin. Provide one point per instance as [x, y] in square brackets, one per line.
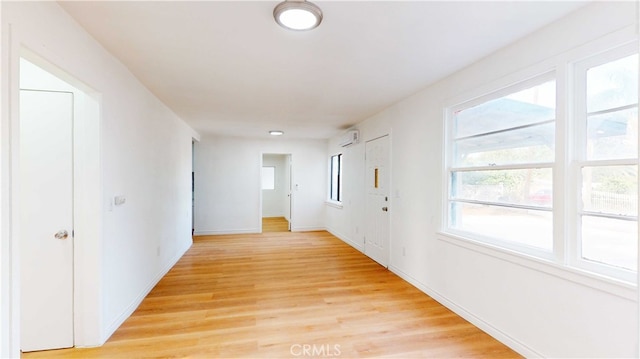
[287, 295]
[275, 224]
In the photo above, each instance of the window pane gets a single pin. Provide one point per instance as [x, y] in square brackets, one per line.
[610, 241]
[531, 144]
[613, 135]
[336, 167]
[522, 187]
[612, 85]
[526, 227]
[268, 178]
[533, 105]
[514, 129]
[610, 190]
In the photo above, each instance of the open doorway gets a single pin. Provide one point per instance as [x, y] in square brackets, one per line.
[276, 192]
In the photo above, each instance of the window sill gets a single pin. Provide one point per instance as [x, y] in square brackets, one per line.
[606, 284]
[334, 204]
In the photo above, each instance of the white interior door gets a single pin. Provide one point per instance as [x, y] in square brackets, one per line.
[377, 180]
[46, 219]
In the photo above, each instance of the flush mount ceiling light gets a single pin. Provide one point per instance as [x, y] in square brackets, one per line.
[297, 15]
[276, 133]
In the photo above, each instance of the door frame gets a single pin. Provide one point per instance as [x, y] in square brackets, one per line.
[387, 248]
[87, 203]
[66, 337]
[289, 170]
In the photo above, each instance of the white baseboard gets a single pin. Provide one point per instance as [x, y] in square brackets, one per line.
[307, 229]
[499, 335]
[253, 231]
[108, 332]
[227, 231]
[347, 240]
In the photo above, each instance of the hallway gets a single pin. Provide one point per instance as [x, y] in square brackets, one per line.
[280, 295]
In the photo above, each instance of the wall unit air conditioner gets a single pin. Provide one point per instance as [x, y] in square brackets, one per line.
[350, 138]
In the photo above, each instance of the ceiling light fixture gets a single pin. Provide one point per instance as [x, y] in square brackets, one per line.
[276, 133]
[299, 15]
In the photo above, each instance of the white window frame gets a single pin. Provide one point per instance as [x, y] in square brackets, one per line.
[565, 259]
[340, 170]
[450, 111]
[579, 70]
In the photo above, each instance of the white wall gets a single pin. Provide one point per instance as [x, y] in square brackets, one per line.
[273, 199]
[228, 183]
[538, 309]
[144, 155]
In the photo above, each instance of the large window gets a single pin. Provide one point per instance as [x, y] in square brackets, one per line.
[501, 166]
[335, 189]
[607, 161]
[570, 197]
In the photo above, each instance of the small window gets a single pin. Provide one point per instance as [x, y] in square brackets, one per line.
[335, 190]
[268, 177]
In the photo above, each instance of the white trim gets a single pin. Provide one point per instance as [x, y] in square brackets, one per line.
[468, 315]
[227, 231]
[589, 279]
[509, 167]
[578, 141]
[525, 82]
[307, 229]
[347, 240]
[530, 78]
[117, 322]
[9, 290]
[87, 198]
[334, 204]
[330, 180]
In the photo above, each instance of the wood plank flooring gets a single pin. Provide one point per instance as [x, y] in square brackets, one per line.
[275, 224]
[287, 295]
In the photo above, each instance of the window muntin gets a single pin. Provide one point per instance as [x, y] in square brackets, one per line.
[335, 188]
[501, 167]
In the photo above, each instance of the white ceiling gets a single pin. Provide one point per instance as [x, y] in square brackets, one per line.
[226, 67]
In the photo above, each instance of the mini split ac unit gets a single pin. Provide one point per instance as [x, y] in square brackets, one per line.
[350, 138]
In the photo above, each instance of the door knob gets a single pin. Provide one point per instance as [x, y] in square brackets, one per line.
[62, 234]
[385, 209]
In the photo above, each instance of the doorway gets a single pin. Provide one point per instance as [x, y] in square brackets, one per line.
[377, 184]
[57, 185]
[276, 193]
[46, 219]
